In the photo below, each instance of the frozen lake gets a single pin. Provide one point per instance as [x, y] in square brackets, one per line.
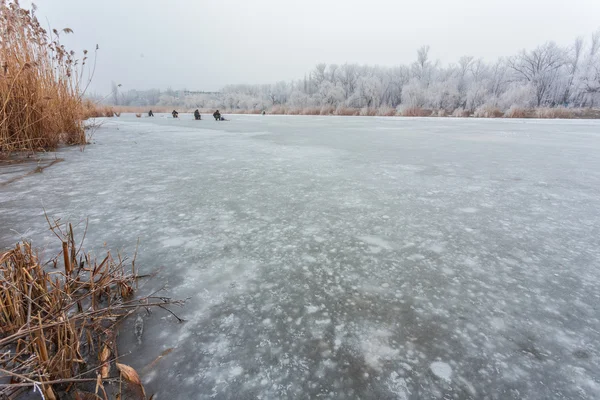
[346, 257]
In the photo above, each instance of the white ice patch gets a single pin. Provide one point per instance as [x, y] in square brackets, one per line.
[235, 371]
[397, 386]
[376, 349]
[441, 370]
[468, 210]
[376, 241]
[312, 309]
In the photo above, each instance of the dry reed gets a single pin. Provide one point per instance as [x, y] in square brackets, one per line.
[487, 111]
[461, 113]
[415, 112]
[58, 327]
[558, 112]
[516, 112]
[40, 103]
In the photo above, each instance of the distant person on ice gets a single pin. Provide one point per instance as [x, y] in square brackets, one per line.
[197, 115]
[217, 116]
[150, 113]
[175, 114]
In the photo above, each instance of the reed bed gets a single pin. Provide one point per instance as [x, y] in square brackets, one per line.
[58, 324]
[40, 99]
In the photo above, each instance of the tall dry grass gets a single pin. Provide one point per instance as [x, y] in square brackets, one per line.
[516, 112]
[487, 111]
[40, 103]
[415, 112]
[556, 113]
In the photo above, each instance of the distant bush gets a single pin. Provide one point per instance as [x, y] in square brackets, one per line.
[516, 112]
[414, 112]
[368, 112]
[347, 111]
[277, 110]
[558, 112]
[311, 111]
[386, 111]
[461, 113]
[327, 110]
[487, 111]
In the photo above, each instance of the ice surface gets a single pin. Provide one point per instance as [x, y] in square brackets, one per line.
[329, 257]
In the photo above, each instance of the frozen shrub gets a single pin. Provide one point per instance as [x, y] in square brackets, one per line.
[327, 110]
[278, 110]
[386, 111]
[368, 112]
[517, 95]
[558, 112]
[311, 111]
[347, 111]
[487, 111]
[515, 112]
[461, 113]
[414, 112]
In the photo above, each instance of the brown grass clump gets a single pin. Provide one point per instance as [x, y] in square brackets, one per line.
[461, 113]
[487, 111]
[346, 111]
[327, 110]
[277, 110]
[558, 112]
[58, 326]
[386, 111]
[40, 105]
[516, 112]
[311, 111]
[415, 112]
[368, 112]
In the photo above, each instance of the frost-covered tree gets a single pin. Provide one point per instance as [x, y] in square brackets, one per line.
[549, 75]
[539, 68]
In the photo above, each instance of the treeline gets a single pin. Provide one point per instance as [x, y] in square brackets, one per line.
[545, 77]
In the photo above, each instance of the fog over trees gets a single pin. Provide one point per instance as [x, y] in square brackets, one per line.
[547, 76]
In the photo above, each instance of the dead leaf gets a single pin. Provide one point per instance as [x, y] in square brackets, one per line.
[129, 373]
[131, 376]
[104, 355]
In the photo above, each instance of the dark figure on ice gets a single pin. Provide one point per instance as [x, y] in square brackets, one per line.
[175, 114]
[197, 115]
[150, 113]
[217, 116]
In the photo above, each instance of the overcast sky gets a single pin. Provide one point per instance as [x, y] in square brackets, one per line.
[204, 45]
